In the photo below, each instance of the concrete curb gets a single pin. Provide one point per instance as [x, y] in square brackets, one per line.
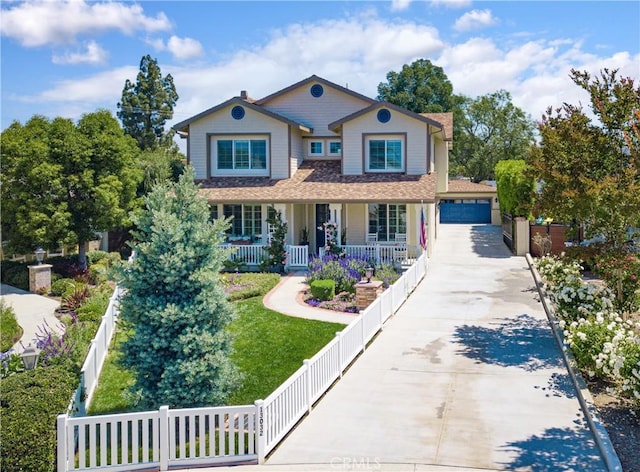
[584, 396]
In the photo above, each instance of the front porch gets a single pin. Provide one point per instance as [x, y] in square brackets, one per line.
[393, 233]
[298, 257]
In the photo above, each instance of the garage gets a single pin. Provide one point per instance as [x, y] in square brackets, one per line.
[467, 210]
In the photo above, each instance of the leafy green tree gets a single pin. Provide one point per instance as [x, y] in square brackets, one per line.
[175, 303]
[64, 183]
[421, 87]
[515, 187]
[589, 168]
[491, 129]
[146, 106]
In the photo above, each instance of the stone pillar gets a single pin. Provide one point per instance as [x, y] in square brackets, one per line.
[39, 277]
[367, 292]
[521, 236]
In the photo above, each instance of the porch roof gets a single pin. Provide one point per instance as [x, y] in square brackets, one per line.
[322, 182]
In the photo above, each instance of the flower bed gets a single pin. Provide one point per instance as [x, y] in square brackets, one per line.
[346, 272]
[605, 344]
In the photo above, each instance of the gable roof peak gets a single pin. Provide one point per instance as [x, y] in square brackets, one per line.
[311, 79]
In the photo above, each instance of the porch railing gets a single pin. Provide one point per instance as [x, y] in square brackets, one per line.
[252, 254]
[382, 253]
[186, 438]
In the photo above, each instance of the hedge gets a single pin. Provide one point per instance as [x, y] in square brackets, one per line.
[323, 289]
[29, 407]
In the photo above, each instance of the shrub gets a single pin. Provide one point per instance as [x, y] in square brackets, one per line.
[387, 274]
[94, 257]
[72, 300]
[98, 273]
[15, 274]
[10, 330]
[557, 271]
[94, 307]
[577, 300]
[621, 271]
[323, 289]
[61, 287]
[29, 443]
[67, 266]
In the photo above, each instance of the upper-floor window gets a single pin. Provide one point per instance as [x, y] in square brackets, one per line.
[384, 154]
[316, 148]
[335, 148]
[242, 154]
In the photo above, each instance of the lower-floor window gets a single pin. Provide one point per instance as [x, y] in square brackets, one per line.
[386, 220]
[246, 223]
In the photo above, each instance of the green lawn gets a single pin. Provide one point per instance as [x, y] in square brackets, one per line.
[268, 348]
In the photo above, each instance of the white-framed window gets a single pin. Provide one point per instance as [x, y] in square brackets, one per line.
[316, 148]
[238, 154]
[384, 153]
[246, 222]
[335, 148]
[386, 220]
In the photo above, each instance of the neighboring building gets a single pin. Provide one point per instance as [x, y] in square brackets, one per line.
[319, 152]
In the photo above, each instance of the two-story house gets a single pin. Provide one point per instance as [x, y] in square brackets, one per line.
[320, 152]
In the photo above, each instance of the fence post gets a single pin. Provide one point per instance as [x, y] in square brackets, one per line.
[260, 427]
[164, 438]
[62, 443]
[307, 374]
[362, 335]
[339, 342]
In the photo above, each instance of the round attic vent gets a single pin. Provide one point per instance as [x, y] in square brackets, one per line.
[384, 115]
[317, 90]
[237, 112]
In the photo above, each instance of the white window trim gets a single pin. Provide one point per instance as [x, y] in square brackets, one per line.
[386, 137]
[329, 153]
[316, 154]
[216, 171]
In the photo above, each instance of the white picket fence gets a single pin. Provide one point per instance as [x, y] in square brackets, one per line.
[183, 438]
[90, 372]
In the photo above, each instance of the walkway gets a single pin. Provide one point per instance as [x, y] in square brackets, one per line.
[466, 376]
[32, 313]
[284, 298]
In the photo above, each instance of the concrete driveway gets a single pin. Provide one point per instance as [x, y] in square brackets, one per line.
[466, 376]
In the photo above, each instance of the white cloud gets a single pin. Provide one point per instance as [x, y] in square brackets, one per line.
[475, 19]
[38, 23]
[358, 52]
[102, 89]
[180, 48]
[452, 3]
[93, 54]
[184, 48]
[400, 5]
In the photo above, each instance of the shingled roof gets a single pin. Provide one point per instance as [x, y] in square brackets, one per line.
[446, 120]
[322, 182]
[465, 186]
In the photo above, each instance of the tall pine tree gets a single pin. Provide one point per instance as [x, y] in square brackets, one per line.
[146, 106]
[175, 304]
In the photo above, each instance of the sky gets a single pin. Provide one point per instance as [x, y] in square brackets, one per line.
[68, 58]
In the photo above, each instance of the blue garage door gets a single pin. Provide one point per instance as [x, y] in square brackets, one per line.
[465, 211]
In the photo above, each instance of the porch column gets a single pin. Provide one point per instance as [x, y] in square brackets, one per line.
[417, 215]
[335, 209]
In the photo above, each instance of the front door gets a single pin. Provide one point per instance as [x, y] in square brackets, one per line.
[322, 216]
